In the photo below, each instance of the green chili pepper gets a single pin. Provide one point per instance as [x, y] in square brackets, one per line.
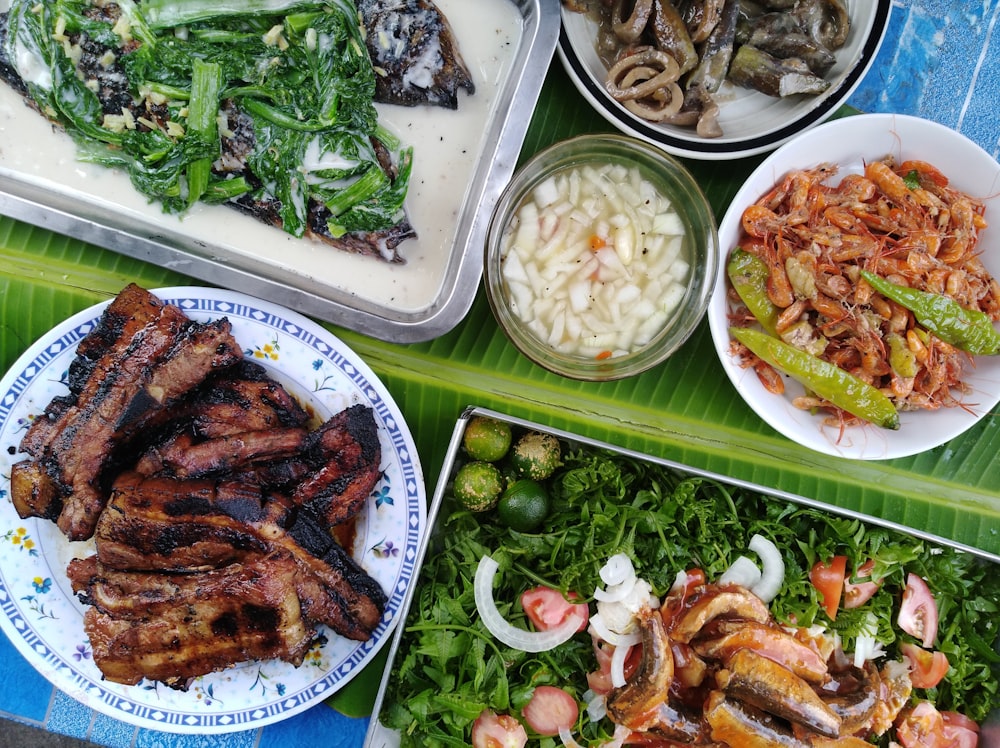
[830, 382]
[902, 360]
[748, 274]
[968, 329]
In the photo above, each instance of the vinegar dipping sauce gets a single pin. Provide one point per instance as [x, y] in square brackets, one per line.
[595, 260]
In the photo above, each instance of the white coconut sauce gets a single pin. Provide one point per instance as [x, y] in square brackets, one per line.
[445, 145]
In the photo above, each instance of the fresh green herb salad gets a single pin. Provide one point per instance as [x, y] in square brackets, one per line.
[653, 608]
[266, 104]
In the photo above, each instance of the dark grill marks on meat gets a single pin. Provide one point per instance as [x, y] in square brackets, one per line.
[183, 458]
[167, 524]
[171, 627]
[140, 375]
[245, 398]
[349, 454]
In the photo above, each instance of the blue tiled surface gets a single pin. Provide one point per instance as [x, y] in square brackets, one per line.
[940, 60]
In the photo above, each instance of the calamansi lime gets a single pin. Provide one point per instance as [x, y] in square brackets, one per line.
[478, 485]
[524, 505]
[536, 455]
[486, 438]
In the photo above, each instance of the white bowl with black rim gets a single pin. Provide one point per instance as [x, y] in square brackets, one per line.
[752, 122]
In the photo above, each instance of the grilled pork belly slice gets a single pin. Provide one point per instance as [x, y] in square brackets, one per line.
[175, 627]
[138, 379]
[348, 455]
[330, 471]
[168, 524]
[200, 477]
[244, 398]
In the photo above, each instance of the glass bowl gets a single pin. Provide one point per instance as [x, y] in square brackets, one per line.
[600, 258]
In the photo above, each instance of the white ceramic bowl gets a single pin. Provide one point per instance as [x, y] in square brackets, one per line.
[752, 122]
[850, 142]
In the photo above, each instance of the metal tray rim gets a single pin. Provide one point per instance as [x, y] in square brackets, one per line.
[377, 732]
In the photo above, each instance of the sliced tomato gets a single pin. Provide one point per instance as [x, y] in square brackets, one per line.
[599, 680]
[858, 593]
[957, 719]
[920, 726]
[550, 710]
[923, 726]
[959, 730]
[492, 730]
[918, 613]
[927, 668]
[828, 579]
[547, 609]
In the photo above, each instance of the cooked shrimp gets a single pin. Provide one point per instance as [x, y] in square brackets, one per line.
[903, 222]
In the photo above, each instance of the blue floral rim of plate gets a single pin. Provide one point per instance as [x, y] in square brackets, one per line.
[44, 620]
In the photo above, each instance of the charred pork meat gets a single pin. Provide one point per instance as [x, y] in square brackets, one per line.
[172, 525]
[172, 627]
[130, 384]
[207, 489]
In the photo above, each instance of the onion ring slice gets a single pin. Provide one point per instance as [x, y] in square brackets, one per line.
[503, 630]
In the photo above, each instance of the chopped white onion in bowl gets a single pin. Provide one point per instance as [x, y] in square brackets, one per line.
[600, 257]
[595, 262]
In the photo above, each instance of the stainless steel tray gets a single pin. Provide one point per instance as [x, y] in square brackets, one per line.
[462, 161]
[378, 736]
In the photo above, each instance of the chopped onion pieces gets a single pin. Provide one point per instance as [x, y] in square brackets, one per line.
[604, 251]
[772, 568]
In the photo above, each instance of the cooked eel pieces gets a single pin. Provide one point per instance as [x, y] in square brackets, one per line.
[718, 670]
[214, 499]
[414, 52]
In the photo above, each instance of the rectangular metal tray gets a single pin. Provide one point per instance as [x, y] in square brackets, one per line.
[462, 161]
[378, 736]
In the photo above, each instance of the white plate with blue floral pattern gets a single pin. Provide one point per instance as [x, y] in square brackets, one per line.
[44, 620]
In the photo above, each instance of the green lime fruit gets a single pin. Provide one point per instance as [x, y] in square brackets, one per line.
[524, 505]
[536, 455]
[486, 439]
[478, 485]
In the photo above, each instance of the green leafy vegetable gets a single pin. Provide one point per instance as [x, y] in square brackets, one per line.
[294, 75]
[449, 668]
